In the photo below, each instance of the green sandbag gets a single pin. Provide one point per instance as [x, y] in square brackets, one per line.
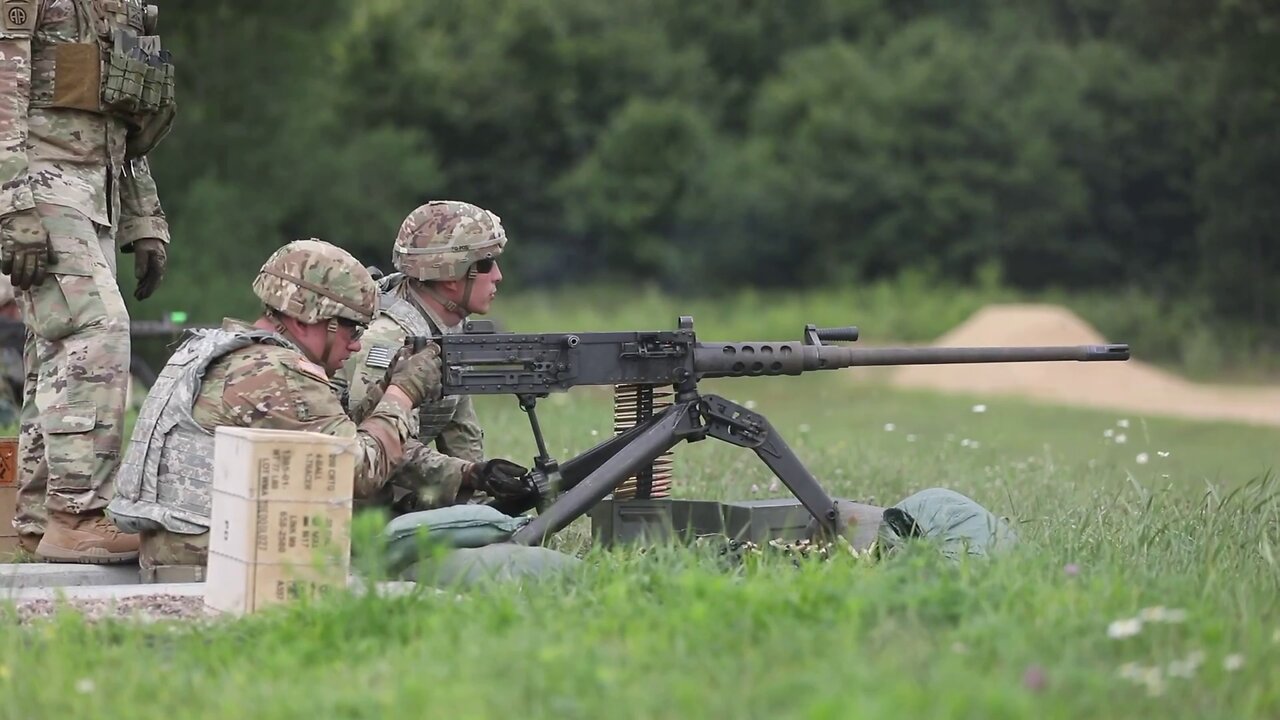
[956, 523]
[457, 526]
[502, 562]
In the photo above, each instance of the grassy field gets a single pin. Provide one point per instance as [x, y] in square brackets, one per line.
[1176, 524]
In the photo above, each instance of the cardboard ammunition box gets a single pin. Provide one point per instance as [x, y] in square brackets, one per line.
[8, 497]
[280, 517]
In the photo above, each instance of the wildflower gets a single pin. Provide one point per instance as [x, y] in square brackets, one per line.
[774, 485]
[1127, 627]
[1034, 678]
[889, 427]
[1142, 458]
[965, 442]
[755, 489]
[1159, 613]
[1162, 453]
[1186, 667]
[595, 433]
[1108, 433]
[750, 404]
[979, 408]
[911, 437]
[1121, 439]
[1233, 662]
[1071, 569]
[84, 686]
[804, 427]
[1122, 422]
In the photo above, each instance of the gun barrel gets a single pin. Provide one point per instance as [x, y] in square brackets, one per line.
[712, 360]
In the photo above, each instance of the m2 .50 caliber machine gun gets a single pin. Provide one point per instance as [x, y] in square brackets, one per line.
[481, 361]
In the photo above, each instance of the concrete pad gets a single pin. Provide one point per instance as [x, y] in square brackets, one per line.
[101, 592]
[50, 575]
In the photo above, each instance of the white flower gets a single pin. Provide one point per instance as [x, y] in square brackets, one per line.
[1160, 613]
[755, 489]
[595, 433]
[911, 437]
[750, 404]
[774, 485]
[979, 408]
[889, 427]
[1127, 627]
[1163, 453]
[1122, 422]
[1233, 662]
[965, 442]
[1142, 458]
[1108, 432]
[804, 428]
[84, 686]
[1121, 439]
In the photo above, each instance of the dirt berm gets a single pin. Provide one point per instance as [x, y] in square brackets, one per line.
[1131, 386]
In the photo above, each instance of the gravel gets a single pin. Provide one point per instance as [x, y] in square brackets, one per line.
[144, 608]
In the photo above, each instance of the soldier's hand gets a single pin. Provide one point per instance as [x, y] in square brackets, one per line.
[501, 479]
[25, 250]
[418, 375]
[149, 260]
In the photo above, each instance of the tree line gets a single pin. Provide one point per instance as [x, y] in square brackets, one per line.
[703, 146]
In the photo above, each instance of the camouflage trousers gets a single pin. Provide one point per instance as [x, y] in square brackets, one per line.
[76, 357]
[173, 557]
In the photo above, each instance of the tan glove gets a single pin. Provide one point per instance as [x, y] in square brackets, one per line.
[25, 250]
[149, 259]
[418, 375]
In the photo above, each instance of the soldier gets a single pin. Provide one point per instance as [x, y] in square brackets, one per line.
[446, 255]
[273, 373]
[85, 93]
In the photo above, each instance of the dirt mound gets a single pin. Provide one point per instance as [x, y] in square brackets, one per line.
[1132, 386]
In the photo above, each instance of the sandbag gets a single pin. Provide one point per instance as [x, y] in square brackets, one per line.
[501, 562]
[955, 522]
[411, 535]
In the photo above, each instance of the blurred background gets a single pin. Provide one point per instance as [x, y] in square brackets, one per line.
[897, 163]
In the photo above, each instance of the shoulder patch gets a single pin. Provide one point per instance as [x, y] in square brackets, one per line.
[380, 357]
[19, 16]
[309, 368]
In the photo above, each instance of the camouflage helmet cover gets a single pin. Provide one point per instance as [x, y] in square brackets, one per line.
[312, 280]
[442, 239]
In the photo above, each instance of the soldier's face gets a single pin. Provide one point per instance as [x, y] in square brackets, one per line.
[485, 287]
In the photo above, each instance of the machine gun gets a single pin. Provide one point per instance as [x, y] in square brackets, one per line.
[481, 361]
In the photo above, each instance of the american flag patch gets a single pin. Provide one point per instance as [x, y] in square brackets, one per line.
[379, 357]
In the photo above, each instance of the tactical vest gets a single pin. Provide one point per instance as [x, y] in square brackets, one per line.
[114, 65]
[165, 475]
[432, 416]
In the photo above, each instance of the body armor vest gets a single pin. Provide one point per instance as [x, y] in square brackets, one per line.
[165, 475]
[106, 59]
[432, 416]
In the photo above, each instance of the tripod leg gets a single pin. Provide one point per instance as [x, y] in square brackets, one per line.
[736, 425]
[660, 436]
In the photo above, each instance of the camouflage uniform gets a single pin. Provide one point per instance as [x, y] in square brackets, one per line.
[85, 92]
[441, 240]
[266, 382]
[11, 372]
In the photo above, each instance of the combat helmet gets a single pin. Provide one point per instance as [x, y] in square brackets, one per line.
[312, 280]
[442, 239]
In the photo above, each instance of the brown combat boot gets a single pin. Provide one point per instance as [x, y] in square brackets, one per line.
[90, 538]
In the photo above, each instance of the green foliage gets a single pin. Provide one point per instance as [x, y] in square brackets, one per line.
[1079, 145]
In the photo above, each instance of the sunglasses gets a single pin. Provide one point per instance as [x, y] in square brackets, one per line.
[485, 266]
[357, 329]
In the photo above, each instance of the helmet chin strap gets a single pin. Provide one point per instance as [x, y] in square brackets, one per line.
[461, 309]
[330, 335]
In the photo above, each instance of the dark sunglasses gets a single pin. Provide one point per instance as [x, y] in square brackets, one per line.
[357, 329]
[485, 266]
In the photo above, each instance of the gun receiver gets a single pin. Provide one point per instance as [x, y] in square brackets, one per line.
[481, 361]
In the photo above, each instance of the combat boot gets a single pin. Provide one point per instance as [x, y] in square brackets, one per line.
[91, 538]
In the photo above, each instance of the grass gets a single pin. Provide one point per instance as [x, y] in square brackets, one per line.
[666, 634]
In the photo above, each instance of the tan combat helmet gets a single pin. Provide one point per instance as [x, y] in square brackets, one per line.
[312, 280]
[444, 238]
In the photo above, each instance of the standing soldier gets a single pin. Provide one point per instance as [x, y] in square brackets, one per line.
[85, 92]
[446, 255]
[272, 373]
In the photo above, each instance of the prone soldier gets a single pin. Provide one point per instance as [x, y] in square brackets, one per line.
[446, 257]
[272, 373]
